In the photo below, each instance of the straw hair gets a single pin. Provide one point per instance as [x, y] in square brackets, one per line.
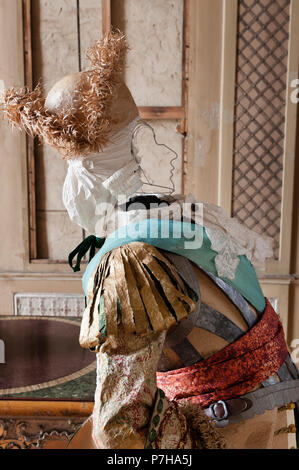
[85, 128]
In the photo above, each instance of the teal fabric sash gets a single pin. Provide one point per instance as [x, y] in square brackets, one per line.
[178, 236]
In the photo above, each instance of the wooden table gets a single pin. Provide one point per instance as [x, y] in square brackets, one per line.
[47, 382]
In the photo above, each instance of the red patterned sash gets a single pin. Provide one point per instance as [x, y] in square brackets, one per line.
[233, 371]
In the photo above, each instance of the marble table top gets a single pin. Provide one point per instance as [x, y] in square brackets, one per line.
[40, 358]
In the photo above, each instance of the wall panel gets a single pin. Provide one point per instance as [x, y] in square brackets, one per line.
[154, 61]
[61, 33]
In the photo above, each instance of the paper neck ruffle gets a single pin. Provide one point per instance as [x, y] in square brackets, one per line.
[93, 184]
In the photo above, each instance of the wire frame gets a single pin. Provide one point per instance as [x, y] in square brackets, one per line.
[262, 52]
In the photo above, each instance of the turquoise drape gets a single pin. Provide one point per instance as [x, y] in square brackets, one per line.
[178, 237]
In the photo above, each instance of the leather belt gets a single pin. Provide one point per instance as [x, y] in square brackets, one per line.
[253, 403]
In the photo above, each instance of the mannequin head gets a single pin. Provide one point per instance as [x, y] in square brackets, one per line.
[83, 109]
[68, 93]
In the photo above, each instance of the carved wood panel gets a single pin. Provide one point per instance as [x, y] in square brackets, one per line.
[37, 433]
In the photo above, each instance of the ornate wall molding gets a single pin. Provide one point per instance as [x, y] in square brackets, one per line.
[35, 432]
[56, 305]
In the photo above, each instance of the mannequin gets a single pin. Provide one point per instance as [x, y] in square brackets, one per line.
[156, 303]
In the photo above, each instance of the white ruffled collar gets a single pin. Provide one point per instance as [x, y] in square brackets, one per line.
[93, 183]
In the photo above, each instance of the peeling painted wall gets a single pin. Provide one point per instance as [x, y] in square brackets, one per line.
[154, 32]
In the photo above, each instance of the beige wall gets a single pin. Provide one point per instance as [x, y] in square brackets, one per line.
[204, 99]
[294, 288]
[13, 227]
[154, 33]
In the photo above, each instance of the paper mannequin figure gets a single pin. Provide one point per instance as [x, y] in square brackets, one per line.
[191, 310]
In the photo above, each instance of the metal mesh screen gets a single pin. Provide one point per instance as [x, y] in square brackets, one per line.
[262, 50]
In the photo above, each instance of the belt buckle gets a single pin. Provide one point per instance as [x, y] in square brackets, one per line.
[219, 422]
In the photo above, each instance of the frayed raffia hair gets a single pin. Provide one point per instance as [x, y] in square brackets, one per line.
[82, 130]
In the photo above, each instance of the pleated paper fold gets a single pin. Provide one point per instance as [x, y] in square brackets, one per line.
[137, 287]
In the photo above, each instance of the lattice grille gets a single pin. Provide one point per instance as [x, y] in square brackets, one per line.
[262, 49]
